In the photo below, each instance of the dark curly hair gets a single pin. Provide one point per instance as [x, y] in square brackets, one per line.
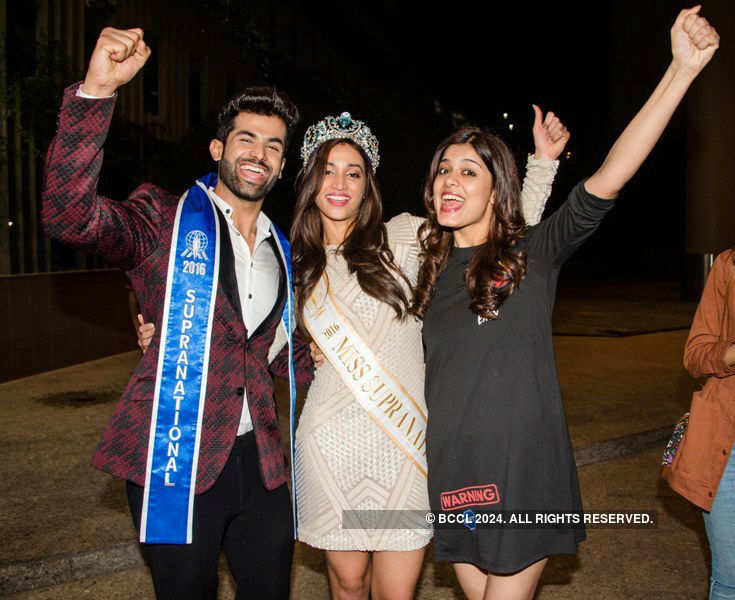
[497, 267]
[260, 100]
[365, 249]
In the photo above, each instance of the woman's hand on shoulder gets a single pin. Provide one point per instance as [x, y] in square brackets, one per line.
[145, 333]
[316, 355]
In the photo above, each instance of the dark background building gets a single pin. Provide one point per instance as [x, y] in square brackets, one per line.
[413, 73]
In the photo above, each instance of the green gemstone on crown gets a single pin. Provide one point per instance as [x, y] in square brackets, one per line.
[341, 127]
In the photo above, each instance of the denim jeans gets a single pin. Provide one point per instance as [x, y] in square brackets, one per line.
[720, 526]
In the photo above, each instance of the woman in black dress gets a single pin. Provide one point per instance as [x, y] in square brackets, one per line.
[497, 437]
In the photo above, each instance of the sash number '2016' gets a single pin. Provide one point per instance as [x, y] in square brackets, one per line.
[195, 268]
[331, 330]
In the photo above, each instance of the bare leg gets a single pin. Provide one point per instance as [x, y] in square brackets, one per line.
[349, 574]
[472, 580]
[517, 586]
[394, 574]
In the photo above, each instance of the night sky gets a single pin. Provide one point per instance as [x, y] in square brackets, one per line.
[594, 64]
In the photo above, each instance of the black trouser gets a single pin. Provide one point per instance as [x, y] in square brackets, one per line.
[237, 514]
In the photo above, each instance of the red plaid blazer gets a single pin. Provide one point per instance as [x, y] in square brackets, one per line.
[136, 236]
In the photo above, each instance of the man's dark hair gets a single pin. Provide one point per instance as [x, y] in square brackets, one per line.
[261, 100]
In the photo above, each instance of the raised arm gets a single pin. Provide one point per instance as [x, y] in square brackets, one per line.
[550, 136]
[72, 213]
[693, 43]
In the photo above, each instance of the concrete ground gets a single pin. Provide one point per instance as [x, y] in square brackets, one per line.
[66, 531]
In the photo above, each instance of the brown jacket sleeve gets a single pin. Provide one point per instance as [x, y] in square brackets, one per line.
[710, 337]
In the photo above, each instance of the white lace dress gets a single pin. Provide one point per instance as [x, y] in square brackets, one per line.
[344, 460]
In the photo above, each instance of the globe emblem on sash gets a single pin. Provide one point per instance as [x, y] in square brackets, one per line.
[196, 244]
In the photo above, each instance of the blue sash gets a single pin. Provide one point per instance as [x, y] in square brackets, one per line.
[289, 323]
[183, 361]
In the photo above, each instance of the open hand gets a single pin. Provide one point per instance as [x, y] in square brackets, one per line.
[117, 57]
[550, 136]
[693, 40]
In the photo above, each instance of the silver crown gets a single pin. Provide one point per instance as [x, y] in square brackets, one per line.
[337, 128]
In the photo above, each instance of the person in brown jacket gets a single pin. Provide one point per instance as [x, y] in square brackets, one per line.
[703, 470]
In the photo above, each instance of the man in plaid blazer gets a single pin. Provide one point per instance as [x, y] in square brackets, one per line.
[242, 504]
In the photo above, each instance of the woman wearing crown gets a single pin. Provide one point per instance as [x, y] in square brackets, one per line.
[360, 465]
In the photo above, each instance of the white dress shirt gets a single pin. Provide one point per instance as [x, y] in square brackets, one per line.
[257, 275]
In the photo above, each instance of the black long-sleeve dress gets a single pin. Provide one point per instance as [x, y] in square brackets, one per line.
[497, 429]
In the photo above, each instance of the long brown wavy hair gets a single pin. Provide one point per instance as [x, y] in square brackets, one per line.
[365, 249]
[497, 267]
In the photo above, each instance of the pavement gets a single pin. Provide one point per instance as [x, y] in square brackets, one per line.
[66, 531]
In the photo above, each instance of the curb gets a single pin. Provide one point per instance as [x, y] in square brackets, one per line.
[55, 570]
[622, 446]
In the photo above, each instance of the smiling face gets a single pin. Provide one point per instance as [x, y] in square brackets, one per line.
[463, 195]
[342, 191]
[251, 159]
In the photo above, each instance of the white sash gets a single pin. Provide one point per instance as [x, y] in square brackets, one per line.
[373, 386]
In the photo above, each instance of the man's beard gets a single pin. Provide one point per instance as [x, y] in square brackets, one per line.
[250, 193]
